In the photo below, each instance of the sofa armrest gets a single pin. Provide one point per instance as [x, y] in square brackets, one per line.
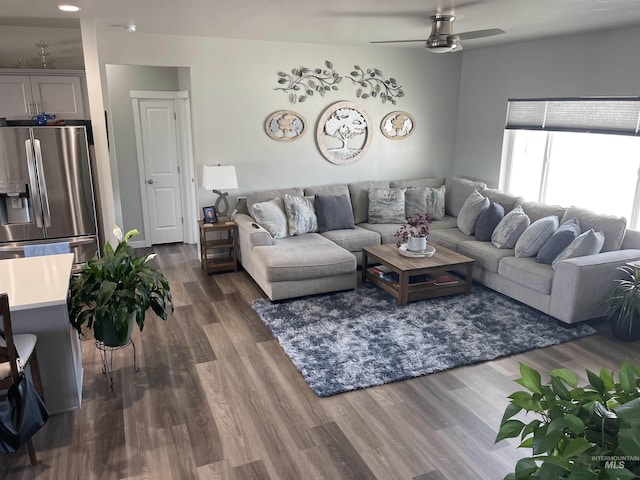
[257, 237]
[249, 237]
[580, 284]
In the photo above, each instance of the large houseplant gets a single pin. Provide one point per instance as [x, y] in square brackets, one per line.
[577, 433]
[623, 305]
[111, 293]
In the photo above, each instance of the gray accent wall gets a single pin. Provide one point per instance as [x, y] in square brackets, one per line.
[597, 64]
[121, 79]
[232, 93]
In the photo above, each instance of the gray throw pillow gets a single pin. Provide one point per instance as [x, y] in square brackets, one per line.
[470, 211]
[587, 243]
[301, 214]
[334, 212]
[561, 238]
[534, 237]
[386, 205]
[271, 216]
[488, 220]
[510, 228]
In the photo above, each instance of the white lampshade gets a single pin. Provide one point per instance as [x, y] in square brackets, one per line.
[219, 177]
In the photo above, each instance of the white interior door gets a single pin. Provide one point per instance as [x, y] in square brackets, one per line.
[161, 170]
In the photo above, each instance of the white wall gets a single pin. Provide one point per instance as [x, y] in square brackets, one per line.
[599, 64]
[232, 93]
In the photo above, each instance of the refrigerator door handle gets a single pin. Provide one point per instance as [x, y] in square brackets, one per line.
[33, 183]
[43, 186]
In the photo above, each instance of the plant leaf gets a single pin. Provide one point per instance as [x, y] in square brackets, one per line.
[509, 429]
[525, 467]
[630, 411]
[530, 379]
[575, 447]
[583, 473]
[627, 377]
[629, 441]
[567, 375]
[510, 411]
[543, 442]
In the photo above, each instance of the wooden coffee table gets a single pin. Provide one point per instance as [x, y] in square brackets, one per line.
[405, 289]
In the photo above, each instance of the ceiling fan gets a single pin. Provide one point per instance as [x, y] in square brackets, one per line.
[442, 38]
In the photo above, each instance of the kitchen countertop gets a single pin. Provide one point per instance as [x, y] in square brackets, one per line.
[36, 282]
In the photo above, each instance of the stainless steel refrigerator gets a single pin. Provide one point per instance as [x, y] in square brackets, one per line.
[46, 190]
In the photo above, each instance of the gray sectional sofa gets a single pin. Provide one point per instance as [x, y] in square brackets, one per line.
[321, 262]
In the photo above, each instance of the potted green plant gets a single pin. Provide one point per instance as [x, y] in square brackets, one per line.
[577, 433]
[623, 305]
[415, 233]
[111, 293]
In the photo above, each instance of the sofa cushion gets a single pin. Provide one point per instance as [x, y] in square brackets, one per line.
[334, 212]
[457, 192]
[271, 216]
[339, 189]
[470, 211]
[353, 239]
[587, 243]
[556, 243]
[535, 235]
[525, 271]
[488, 220]
[359, 192]
[448, 237]
[510, 228]
[485, 254]
[301, 214]
[507, 200]
[385, 231]
[421, 182]
[386, 205]
[266, 195]
[613, 227]
[536, 211]
[302, 258]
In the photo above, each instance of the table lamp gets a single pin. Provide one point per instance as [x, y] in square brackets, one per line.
[217, 178]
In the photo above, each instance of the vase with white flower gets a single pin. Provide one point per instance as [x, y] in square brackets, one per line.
[415, 233]
[114, 291]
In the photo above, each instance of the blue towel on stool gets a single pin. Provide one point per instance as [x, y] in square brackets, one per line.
[46, 249]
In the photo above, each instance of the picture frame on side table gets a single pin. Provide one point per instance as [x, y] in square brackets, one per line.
[210, 215]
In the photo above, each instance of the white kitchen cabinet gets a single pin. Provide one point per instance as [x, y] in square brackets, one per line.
[22, 96]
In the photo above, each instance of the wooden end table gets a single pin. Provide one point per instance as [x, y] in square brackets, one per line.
[218, 254]
[444, 261]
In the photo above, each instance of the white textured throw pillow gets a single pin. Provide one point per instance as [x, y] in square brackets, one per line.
[301, 214]
[535, 235]
[386, 205]
[470, 211]
[271, 216]
[510, 228]
[587, 243]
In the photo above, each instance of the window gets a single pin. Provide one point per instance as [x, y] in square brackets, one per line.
[573, 161]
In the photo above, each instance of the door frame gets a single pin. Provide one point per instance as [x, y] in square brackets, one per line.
[185, 162]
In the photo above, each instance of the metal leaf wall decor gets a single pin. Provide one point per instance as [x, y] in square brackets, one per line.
[304, 82]
[371, 83]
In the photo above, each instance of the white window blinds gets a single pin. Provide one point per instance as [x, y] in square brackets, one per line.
[616, 115]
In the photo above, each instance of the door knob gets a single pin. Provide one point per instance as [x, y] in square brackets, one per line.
[150, 181]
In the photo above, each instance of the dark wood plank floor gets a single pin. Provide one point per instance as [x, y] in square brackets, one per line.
[216, 398]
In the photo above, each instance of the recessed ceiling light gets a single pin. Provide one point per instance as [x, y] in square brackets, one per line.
[68, 8]
[130, 28]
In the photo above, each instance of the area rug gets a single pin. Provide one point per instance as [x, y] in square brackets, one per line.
[361, 338]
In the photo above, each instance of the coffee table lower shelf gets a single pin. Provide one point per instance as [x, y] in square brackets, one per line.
[421, 290]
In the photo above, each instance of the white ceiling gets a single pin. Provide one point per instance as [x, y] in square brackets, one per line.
[349, 22]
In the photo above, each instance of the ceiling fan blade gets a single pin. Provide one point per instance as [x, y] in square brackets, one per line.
[479, 34]
[399, 41]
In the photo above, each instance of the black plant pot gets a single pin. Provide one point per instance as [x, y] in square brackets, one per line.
[620, 329]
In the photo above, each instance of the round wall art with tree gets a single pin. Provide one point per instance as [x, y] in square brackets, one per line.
[343, 133]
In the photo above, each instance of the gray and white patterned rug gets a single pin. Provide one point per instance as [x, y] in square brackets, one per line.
[357, 339]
